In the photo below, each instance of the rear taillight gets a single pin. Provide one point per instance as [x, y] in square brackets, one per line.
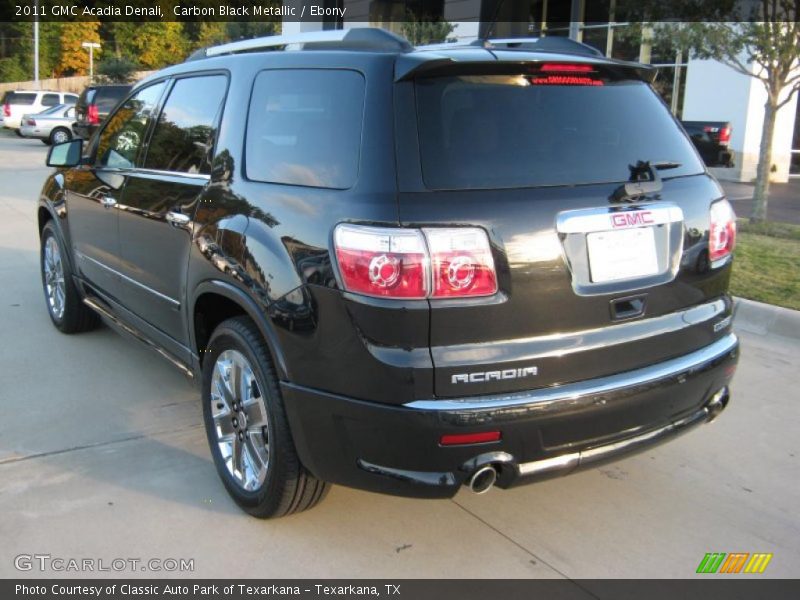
[7, 110]
[414, 263]
[725, 135]
[30, 122]
[722, 232]
[93, 115]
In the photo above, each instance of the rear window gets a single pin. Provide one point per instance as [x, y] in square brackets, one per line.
[304, 127]
[107, 98]
[503, 132]
[20, 98]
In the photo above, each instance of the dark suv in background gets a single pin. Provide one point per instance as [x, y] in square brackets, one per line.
[402, 269]
[94, 105]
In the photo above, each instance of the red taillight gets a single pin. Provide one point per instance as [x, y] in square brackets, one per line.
[725, 135]
[413, 263]
[7, 110]
[722, 232]
[30, 122]
[93, 115]
[461, 263]
[459, 439]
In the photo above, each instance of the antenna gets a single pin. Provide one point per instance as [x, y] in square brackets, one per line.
[493, 21]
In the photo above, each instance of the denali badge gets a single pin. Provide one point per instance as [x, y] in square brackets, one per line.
[494, 375]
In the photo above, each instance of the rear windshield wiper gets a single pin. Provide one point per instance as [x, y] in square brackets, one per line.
[644, 180]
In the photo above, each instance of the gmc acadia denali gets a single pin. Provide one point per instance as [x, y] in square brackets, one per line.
[403, 269]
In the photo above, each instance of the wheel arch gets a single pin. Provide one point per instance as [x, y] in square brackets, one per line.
[226, 300]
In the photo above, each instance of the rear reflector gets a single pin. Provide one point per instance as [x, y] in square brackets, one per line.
[460, 439]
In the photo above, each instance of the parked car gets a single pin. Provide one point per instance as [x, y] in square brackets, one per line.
[712, 140]
[94, 105]
[402, 269]
[52, 126]
[19, 102]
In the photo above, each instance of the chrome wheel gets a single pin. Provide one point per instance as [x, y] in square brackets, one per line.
[54, 278]
[60, 136]
[240, 420]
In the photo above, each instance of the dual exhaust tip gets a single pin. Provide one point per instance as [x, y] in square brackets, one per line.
[484, 478]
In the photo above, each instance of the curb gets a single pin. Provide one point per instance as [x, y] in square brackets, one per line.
[766, 319]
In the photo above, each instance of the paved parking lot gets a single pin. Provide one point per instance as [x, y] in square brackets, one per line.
[103, 455]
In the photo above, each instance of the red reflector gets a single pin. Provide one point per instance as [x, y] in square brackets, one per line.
[458, 439]
[565, 68]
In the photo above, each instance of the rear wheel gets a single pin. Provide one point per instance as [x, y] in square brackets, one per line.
[18, 132]
[247, 427]
[59, 135]
[68, 313]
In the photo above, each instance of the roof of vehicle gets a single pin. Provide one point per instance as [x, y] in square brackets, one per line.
[410, 61]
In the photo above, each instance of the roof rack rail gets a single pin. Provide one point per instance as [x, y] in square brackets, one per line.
[540, 44]
[359, 38]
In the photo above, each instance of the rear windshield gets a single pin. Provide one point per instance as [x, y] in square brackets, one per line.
[21, 98]
[502, 132]
[107, 98]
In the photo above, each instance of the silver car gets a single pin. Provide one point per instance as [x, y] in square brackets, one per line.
[52, 126]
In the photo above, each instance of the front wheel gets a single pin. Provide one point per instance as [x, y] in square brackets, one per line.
[247, 427]
[68, 313]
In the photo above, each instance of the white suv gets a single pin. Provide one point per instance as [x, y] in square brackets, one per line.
[20, 102]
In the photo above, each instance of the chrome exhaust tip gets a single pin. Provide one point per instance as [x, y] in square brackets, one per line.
[482, 480]
[717, 404]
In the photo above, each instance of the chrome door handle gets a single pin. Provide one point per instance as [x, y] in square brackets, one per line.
[108, 202]
[177, 218]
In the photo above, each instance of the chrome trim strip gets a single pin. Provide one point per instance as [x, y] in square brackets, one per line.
[562, 344]
[682, 365]
[162, 173]
[568, 462]
[136, 334]
[172, 301]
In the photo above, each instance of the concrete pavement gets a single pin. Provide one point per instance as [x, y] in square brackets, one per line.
[103, 455]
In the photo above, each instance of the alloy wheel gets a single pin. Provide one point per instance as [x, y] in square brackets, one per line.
[54, 278]
[59, 137]
[240, 420]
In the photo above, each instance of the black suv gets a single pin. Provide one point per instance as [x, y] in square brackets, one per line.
[400, 269]
[94, 105]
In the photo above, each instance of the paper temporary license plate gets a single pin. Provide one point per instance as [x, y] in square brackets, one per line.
[622, 254]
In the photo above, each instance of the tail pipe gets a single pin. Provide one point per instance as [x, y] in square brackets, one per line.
[482, 480]
[717, 403]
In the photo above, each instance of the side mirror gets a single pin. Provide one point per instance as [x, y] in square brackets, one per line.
[67, 154]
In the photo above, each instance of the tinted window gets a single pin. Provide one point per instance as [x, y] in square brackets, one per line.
[123, 134]
[50, 100]
[304, 128]
[502, 131]
[21, 98]
[70, 98]
[107, 98]
[184, 136]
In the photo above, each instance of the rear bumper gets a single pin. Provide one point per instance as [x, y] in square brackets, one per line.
[545, 432]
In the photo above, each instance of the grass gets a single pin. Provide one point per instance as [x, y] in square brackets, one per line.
[767, 263]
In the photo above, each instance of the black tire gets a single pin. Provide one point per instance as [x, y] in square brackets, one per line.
[47, 142]
[56, 133]
[18, 132]
[76, 316]
[288, 486]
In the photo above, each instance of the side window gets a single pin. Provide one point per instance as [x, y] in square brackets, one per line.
[304, 127]
[184, 135]
[70, 99]
[50, 100]
[70, 113]
[124, 132]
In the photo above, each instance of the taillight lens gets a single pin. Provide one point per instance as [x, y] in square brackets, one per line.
[725, 135]
[7, 110]
[93, 115]
[722, 233]
[382, 262]
[413, 263]
[461, 262]
[30, 122]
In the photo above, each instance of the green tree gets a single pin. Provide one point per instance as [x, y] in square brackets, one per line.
[421, 31]
[116, 69]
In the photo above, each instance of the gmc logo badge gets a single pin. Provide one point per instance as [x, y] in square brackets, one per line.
[632, 219]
